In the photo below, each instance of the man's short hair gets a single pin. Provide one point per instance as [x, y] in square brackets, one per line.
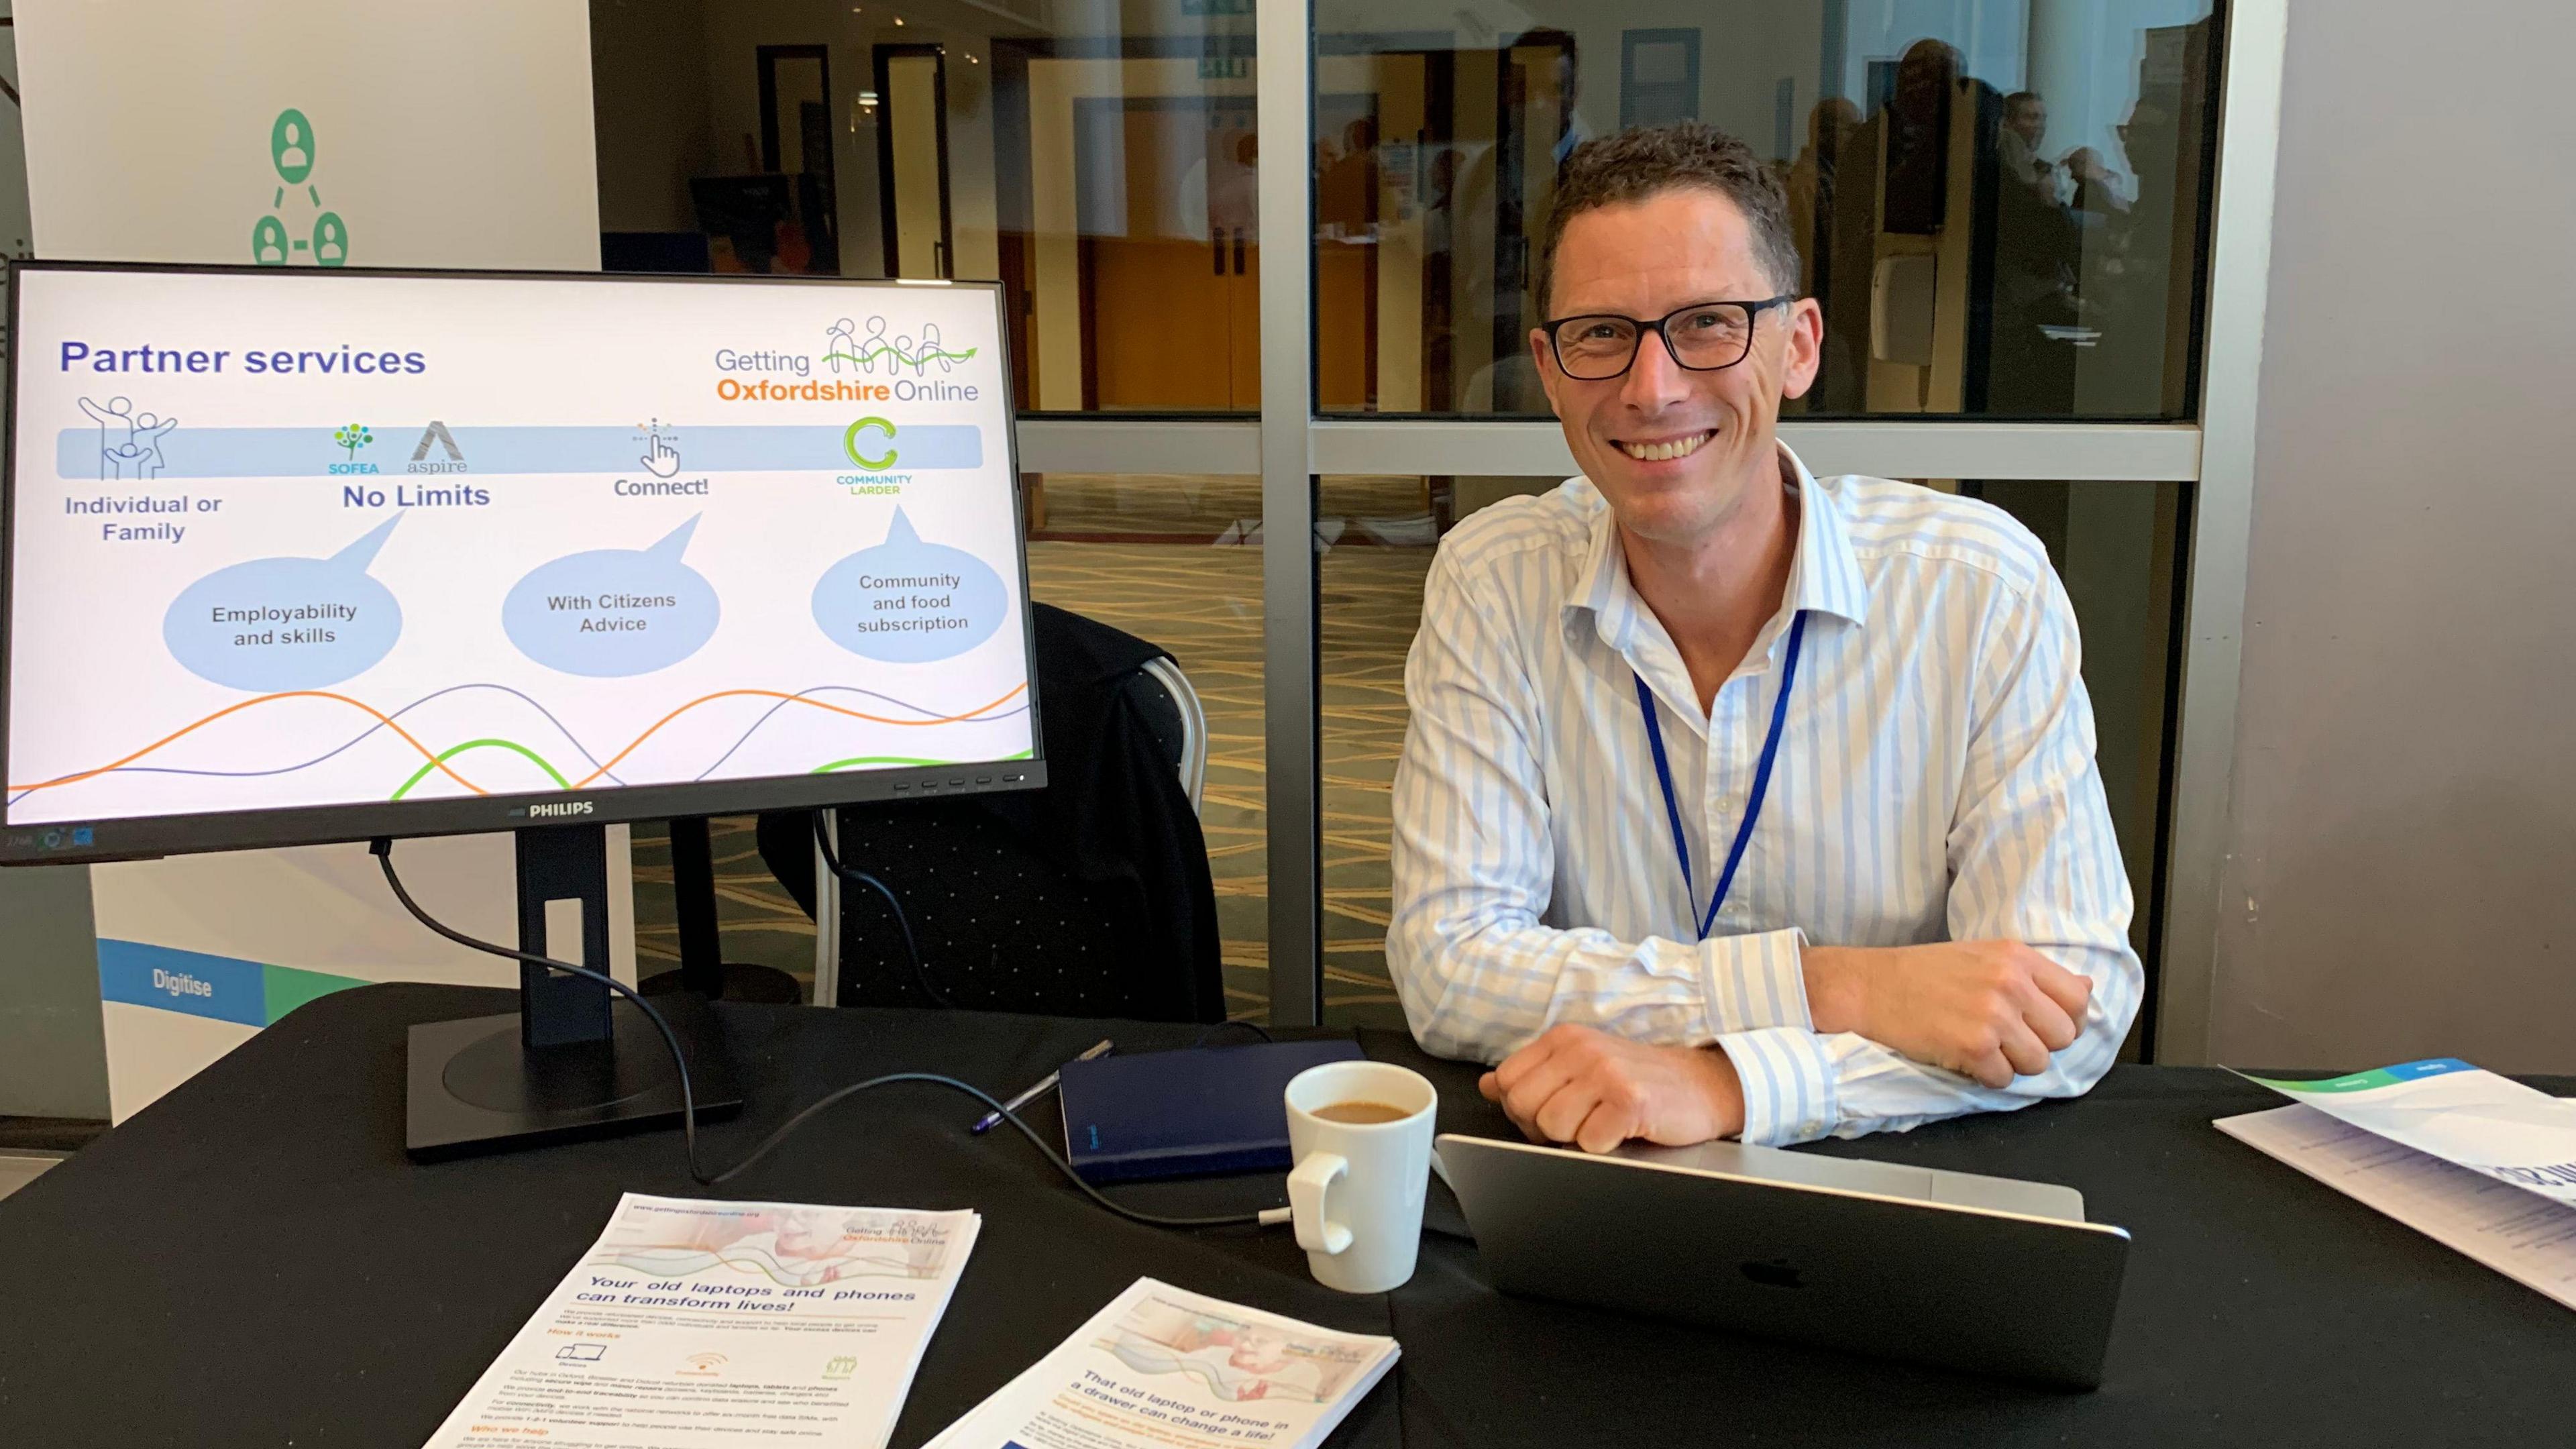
[2013, 103]
[1646, 161]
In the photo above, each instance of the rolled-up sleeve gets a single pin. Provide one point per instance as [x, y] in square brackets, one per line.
[1479, 971]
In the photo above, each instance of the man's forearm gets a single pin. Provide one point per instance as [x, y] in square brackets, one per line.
[1991, 1009]
[1487, 992]
[1837, 980]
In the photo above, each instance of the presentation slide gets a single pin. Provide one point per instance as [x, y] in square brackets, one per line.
[303, 538]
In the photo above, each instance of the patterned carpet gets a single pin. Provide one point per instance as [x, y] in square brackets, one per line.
[1176, 560]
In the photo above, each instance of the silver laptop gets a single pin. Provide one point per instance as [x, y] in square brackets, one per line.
[1950, 1268]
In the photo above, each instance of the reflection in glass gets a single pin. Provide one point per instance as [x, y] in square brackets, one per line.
[1175, 559]
[1100, 164]
[1998, 205]
[1102, 168]
[1376, 535]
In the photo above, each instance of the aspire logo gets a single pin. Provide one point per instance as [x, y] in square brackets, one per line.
[436, 435]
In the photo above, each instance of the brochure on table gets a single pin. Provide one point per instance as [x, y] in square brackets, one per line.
[706, 1325]
[1161, 1367]
[2459, 1113]
[2479, 1163]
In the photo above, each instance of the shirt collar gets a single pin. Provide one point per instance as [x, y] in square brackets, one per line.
[1824, 573]
[1825, 576]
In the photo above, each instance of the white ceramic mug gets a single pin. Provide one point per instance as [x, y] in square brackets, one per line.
[1357, 1189]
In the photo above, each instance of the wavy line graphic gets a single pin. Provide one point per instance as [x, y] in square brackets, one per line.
[588, 756]
[371, 731]
[454, 750]
[901, 357]
[438, 762]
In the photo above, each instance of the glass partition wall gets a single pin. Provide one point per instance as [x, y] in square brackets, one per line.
[1253, 400]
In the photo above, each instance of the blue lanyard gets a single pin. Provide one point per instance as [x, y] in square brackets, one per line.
[1761, 778]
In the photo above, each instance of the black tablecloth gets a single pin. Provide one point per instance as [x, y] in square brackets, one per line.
[254, 1261]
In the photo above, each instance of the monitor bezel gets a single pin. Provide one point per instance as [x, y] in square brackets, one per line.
[150, 836]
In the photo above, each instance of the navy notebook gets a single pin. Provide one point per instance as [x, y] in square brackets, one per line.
[1186, 1113]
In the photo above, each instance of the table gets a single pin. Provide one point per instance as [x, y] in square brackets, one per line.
[253, 1261]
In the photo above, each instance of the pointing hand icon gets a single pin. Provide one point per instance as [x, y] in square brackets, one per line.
[661, 459]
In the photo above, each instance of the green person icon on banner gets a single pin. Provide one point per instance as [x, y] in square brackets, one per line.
[330, 241]
[290, 146]
[268, 242]
[298, 221]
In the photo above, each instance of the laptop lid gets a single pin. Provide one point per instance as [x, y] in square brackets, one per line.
[1972, 1288]
[1885, 1179]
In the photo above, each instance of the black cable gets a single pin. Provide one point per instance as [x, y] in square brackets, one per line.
[1254, 1027]
[1149, 1219]
[383, 850]
[832, 862]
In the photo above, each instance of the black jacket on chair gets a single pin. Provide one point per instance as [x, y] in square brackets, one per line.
[1091, 897]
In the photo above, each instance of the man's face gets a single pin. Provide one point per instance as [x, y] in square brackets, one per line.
[1705, 437]
[2030, 118]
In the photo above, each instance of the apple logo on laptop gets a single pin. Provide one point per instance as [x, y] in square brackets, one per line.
[1775, 1274]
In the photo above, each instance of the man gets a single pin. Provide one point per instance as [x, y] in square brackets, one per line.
[2017, 144]
[1853, 705]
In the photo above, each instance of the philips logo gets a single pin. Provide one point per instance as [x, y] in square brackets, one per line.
[571, 807]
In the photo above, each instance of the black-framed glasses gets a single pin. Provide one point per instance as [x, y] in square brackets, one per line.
[1703, 337]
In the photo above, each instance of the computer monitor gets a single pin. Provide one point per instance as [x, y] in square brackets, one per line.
[307, 554]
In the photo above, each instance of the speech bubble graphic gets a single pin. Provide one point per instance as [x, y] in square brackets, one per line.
[270, 624]
[613, 612]
[909, 602]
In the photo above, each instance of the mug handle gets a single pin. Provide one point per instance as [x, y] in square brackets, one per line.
[1306, 1201]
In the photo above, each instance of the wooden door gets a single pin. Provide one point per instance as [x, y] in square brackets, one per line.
[1171, 275]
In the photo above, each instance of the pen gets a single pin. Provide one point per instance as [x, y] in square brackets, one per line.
[1044, 1084]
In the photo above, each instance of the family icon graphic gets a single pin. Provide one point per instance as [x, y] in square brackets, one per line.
[129, 443]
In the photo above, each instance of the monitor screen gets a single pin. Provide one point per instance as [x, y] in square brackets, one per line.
[306, 554]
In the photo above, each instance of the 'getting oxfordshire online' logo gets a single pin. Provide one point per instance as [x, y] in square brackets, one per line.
[874, 364]
[843, 345]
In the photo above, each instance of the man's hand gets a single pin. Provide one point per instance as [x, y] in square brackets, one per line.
[1584, 1086]
[1984, 1009]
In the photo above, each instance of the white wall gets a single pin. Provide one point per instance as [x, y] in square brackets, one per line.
[2401, 878]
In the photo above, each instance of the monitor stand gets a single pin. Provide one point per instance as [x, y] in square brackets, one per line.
[574, 1060]
[703, 968]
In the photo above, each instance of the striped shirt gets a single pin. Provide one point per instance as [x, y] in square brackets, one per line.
[1935, 781]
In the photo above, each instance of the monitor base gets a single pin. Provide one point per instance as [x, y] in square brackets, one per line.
[471, 1085]
[739, 981]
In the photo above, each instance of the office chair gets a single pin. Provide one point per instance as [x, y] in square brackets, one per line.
[1092, 897]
